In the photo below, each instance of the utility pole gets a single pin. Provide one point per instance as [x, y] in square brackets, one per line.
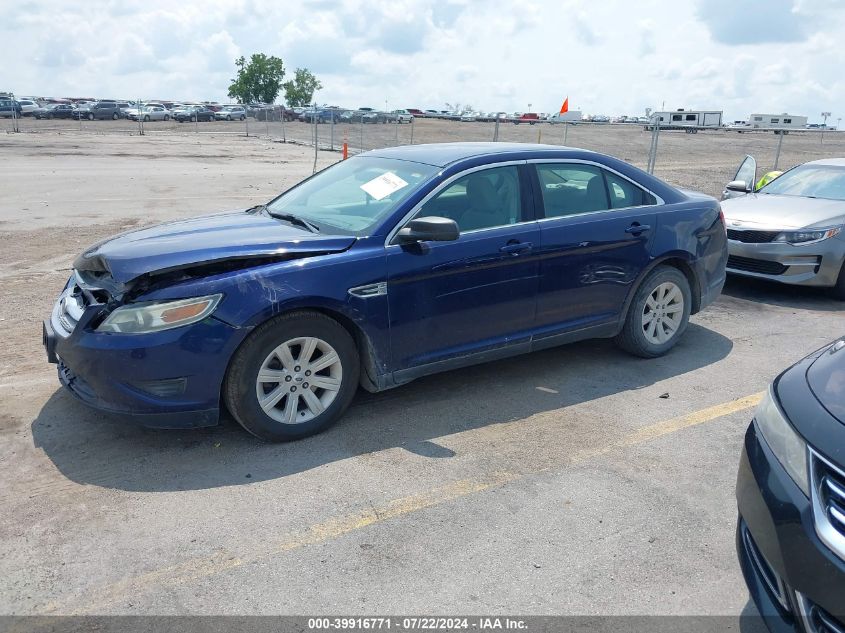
[824, 125]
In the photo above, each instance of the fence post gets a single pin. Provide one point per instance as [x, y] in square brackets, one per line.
[396, 131]
[565, 131]
[780, 134]
[412, 130]
[331, 135]
[652, 152]
[316, 137]
[267, 123]
[496, 129]
[246, 120]
[362, 133]
[284, 138]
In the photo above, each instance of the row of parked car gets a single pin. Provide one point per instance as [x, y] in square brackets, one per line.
[112, 109]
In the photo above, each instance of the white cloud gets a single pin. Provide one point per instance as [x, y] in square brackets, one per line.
[609, 57]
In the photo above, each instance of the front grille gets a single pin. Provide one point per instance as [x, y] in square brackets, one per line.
[829, 503]
[756, 265]
[752, 237]
[71, 307]
[769, 576]
[816, 619]
[73, 303]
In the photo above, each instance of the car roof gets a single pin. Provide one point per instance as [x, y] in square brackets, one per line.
[442, 154]
[832, 162]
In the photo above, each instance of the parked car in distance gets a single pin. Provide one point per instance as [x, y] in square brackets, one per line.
[55, 111]
[392, 265]
[9, 108]
[195, 113]
[99, 110]
[527, 117]
[230, 113]
[372, 116]
[401, 116]
[790, 492]
[321, 115]
[416, 112]
[791, 230]
[28, 106]
[148, 112]
[468, 116]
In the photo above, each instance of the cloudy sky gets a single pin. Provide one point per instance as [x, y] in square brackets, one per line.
[610, 57]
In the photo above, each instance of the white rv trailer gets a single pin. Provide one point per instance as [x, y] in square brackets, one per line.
[779, 121]
[693, 120]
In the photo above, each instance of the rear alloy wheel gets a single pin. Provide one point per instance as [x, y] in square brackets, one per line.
[228, 117]
[293, 377]
[90, 116]
[146, 118]
[114, 116]
[658, 315]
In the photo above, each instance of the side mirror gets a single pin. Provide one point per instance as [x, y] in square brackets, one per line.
[738, 185]
[429, 229]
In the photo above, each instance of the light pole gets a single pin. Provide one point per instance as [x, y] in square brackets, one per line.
[824, 124]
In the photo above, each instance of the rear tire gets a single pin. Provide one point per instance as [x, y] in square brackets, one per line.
[838, 291]
[288, 351]
[658, 314]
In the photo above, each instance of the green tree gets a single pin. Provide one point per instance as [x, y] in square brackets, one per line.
[300, 91]
[259, 79]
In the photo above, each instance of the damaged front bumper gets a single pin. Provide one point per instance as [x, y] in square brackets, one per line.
[166, 379]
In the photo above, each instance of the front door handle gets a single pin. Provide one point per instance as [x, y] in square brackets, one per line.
[636, 228]
[516, 248]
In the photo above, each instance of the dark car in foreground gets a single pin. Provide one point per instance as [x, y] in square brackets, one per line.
[389, 266]
[791, 497]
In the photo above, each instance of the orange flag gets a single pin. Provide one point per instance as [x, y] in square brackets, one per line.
[565, 107]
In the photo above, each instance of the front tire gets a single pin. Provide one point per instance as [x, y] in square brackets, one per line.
[838, 291]
[658, 315]
[293, 377]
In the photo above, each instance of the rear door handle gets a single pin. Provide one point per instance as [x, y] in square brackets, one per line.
[636, 228]
[516, 248]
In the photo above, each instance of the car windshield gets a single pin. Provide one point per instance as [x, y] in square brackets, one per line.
[810, 181]
[353, 195]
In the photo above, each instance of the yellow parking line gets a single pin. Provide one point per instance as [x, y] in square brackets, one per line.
[219, 561]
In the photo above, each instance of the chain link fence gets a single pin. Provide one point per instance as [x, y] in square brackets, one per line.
[703, 161]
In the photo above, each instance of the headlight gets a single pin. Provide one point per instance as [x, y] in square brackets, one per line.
[143, 318]
[804, 237]
[786, 444]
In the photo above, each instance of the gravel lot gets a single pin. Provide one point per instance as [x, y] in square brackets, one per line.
[577, 480]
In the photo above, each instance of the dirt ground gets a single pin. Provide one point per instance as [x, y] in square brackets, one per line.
[482, 490]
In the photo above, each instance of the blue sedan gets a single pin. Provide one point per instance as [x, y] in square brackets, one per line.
[383, 268]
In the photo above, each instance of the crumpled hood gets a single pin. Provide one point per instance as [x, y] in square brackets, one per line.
[205, 239]
[768, 211]
[826, 377]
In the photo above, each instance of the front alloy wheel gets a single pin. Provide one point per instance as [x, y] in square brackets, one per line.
[299, 380]
[292, 377]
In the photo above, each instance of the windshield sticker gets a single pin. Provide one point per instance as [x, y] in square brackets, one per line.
[382, 186]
